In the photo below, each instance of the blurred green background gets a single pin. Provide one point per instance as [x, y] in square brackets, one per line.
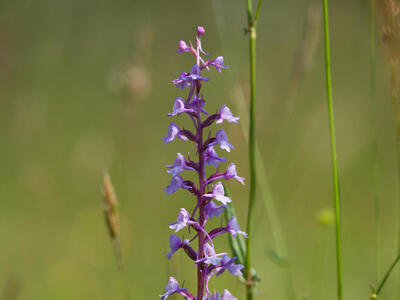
[85, 87]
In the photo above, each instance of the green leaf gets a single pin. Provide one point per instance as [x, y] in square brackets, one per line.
[237, 244]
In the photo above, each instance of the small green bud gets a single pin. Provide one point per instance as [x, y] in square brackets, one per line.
[326, 217]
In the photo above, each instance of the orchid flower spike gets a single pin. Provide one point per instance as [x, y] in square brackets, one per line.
[208, 262]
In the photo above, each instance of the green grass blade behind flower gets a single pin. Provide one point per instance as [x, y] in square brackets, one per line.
[374, 134]
[335, 167]
[375, 294]
[252, 33]
[237, 243]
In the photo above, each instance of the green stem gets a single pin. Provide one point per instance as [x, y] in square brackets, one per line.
[388, 272]
[257, 11]
[272, 217]
[252, 141]
[335, 171]
[375, 169]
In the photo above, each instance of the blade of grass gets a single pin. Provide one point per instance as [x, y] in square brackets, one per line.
[391, 40]
[252, 28]
[374, 134]
[237, 243]
[375, 294]
[335, 171]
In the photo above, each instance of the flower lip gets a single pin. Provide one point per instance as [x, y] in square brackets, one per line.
[179, 165]
[227, 263]
[212, 158]
[181, 221]
[232, 173]
[218, 193]
[210, 257]
[214, 210]
[175, 184]
[173, 287]
[218, 63]
[178, 108]
[175, 244]
[226, 114]
[222, 140]
[233, 227]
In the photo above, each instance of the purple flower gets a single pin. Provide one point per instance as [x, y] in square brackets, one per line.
[214, 210]
[218, 63]
[179, 107]
[233, 227]
[174, 244]
[193, 105]
[178, 166]
[175, 184]
[227, 296]
[212, 158]
[213, 297]
[173, 287]
[181, 221]
[226, 114]
[181, 82]
[195, 75]
[218, 193]
[227, 263]
[210, 257]
[200, 30]
[173, 132]
[231, 173]
[222, 140]
[183, 47]
[186, 79]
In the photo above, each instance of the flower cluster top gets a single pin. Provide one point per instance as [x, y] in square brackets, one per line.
[209, 191]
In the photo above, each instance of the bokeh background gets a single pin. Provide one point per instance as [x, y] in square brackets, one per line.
[85, 87]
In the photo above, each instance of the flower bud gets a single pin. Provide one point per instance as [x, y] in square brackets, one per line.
[200, 30]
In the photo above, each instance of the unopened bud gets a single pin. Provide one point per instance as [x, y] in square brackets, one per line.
[200, 30]
[326, 217]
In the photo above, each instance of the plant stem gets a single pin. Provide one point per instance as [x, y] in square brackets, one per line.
[202, 216]
[335, 171]
[385, 278]
[277, 237]
[252, 140]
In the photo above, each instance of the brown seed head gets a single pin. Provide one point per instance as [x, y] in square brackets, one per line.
[111, 207]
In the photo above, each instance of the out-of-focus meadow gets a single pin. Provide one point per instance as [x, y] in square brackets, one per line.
[85, 87]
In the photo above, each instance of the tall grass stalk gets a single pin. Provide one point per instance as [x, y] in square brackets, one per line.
[376, 293]
[252, 30]
[272, 217]
[112, 218]
[335, 171]
[374, 134]
[391, 39]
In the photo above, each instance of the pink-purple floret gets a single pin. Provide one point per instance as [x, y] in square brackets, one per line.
[208, 262]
